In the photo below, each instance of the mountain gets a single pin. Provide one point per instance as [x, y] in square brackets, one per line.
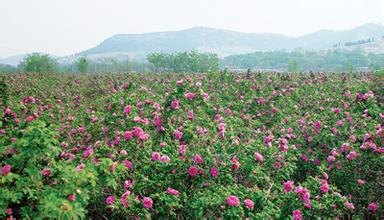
[13, 60]
[324, 39]
[224, 42]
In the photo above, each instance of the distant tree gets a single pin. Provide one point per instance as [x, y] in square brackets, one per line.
[331, 60]
[116, 65]
[82, 64]
[160, 61]
[191, 61]
[5, 68]
[373, 66]
[293, 66]
[348, 66]
[38, 63]
[128, 65]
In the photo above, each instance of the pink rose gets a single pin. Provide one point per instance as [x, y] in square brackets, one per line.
[192, 171]
[8, 211]
[8, 111]
[72, 197]
[175, 104]
[165, 159]
[258, 157]
[137, 131]
[190, 95]
[143, 137]
[147, 202]
[324, 188]
[178, 135]
[127, 109]
[361, 182]
[233, 201]
[172, 191]
[198, 159]
[128, 135]
[214, 172]
[127, 184]
[5, 169]
[349, 205]
[30, 118]
[110, 200]
[155, 156]
[352, 155]
[267, 140]
[288, 186]
[373, 207]
[249, 203]
[297, 215]
[46, 172]
[128, 164]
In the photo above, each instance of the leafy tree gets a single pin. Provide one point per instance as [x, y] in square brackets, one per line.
[82, 64]
[160, 61]
[293, 66]
[192, 61]
[38, 63]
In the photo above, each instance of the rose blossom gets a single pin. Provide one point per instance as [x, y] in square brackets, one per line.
[288, 186]
[172, 191]
[233, 201]
[249, 203]
[109, 200]
[192, 171]
[214, 172]
[297, 215]
[373, 207]
[147, 202]
[5, 169]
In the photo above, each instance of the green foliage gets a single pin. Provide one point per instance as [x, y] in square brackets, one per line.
[78, 127]
[4, 68]
[293, 66]
[82, 64]
[38, 63]
[4, 93]
[27, 190]
[192, 61]
[299, 60]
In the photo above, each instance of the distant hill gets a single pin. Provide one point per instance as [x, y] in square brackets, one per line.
[13, 60]
[224, 42]
[376, 47]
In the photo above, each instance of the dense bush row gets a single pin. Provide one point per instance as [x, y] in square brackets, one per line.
[263, 146]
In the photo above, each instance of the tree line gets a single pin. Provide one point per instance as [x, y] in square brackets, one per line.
[191, 61]
[44, 63]
[194, 61]
[301, 60]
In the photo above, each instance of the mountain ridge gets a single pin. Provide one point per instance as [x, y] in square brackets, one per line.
[227, 42]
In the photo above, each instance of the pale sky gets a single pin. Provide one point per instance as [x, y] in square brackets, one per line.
[63, 27]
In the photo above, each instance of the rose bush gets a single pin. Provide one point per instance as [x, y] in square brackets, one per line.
[192, 146]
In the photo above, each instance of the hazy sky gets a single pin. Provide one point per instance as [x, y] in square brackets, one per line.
[63, 27]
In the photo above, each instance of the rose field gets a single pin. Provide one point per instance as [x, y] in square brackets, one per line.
[192, 146]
